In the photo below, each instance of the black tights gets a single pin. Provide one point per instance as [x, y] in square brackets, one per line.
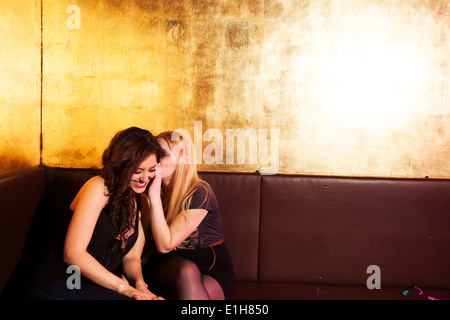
[184, 279]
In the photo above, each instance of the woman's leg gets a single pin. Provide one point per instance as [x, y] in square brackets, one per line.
[213, 288]
[183, 278]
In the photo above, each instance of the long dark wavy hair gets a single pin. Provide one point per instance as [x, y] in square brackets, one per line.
[127, 149]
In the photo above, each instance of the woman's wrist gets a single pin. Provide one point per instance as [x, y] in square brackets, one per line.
[122, 287]
[141, 285]
[154, 200]
[151, 198]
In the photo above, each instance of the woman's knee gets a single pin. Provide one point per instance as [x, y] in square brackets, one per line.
[188, 271]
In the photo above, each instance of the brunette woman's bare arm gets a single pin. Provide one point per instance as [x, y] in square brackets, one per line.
[87, 206]
[132, 266]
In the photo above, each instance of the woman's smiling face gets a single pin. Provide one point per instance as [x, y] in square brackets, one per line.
[143, 174]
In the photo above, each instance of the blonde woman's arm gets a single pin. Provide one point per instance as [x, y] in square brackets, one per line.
[167, 237]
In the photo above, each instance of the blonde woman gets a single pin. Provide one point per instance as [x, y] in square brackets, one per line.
[191, 260]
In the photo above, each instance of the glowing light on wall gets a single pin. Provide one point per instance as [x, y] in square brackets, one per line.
[366, 73]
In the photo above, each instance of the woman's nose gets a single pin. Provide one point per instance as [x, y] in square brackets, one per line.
[144, 178]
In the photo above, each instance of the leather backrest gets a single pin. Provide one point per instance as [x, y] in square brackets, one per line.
[280, 228]
[329, 230]
[238, 195]
[20, 196]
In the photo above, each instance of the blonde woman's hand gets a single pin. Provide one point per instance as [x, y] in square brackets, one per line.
[154, 190]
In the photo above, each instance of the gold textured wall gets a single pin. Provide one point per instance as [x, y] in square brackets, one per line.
[338, 87]
[20, 32]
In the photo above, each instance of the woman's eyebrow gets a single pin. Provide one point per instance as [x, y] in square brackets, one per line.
[142, 169]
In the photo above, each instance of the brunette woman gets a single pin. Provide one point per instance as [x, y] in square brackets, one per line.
[105, 237]
[190, 260]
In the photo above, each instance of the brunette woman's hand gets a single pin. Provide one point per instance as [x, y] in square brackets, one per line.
[147, 294]
[138, 293]
[154, 190]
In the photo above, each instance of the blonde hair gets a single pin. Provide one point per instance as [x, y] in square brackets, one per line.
[185, 180]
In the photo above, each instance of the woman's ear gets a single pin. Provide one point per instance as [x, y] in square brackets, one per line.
[184, 155]
[179, 155]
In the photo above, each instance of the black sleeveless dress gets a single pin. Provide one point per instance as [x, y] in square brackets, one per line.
[105, 246]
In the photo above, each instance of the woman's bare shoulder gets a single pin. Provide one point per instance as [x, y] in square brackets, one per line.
[96, 181]
[94, 188]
